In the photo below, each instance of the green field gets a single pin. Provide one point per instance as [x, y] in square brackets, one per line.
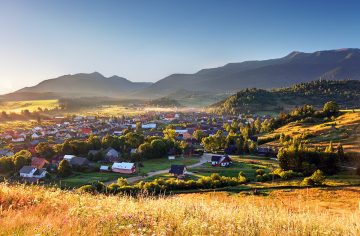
[163, 164]
[18, 106]
[78, 179]
[246, 164]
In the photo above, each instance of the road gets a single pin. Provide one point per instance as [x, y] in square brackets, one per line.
[202, 160]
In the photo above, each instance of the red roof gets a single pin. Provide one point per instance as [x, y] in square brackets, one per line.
[38, 162]
[86, 130]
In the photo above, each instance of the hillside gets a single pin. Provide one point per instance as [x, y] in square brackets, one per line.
[32, 210]
[345, 92]
[80, 85]
[345, 129]
[297, 67]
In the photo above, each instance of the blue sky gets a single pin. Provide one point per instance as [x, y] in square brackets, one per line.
[150, 39]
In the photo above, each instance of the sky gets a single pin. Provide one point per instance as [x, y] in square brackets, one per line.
[150, 39]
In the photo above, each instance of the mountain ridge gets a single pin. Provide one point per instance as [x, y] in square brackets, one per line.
[295, 67]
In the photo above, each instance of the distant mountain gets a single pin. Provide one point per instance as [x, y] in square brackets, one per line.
[316, 93]
[78, 85]
[297, 67]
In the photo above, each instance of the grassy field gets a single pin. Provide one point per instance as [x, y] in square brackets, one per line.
[345, 129]
[78, 179]
[246, 164]
[18, 106]
[34, 210]
[163, 164]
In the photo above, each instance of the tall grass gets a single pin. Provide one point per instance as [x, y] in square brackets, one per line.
[30, 210]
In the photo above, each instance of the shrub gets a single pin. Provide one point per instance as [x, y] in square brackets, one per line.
[87, 189]
[260, 172]
[64, 168]
[316, 179]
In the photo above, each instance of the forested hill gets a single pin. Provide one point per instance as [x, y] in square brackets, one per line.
[346, 93]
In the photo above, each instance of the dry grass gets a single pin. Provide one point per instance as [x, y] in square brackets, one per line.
[346, 130]
[35, 210]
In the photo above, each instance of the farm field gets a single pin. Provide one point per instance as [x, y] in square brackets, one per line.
[18, 106]
[30, 210]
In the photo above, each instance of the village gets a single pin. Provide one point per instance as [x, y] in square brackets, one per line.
[45, 146]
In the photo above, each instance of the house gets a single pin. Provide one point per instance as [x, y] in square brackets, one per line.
[39, 162]
[223, 161]
[123, 167]
[149, 126]
[32, 172]
[68, 157]
[35, 136]
[27, 171]
[104, 168]
[79, 162]
[6, 152]
[111, 155]
[178, 171]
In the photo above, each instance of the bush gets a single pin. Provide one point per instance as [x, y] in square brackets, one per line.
[87, 189]
[316, 179]
[260, 172]
[64, 168]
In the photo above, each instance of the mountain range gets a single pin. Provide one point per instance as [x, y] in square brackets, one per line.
[296, 67]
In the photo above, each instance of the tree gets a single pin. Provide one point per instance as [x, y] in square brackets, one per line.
[94, 142]
[21, 159]
[145, 150]
[44, 150]
[199, 135]
[159, 148]
[331, 107]
[64, 168]
[169, 133]
[340, 152]
[330, 148]
[134, 140]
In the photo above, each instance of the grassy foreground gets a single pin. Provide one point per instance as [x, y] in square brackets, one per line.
[30, 210]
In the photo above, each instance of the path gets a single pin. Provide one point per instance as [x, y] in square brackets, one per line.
[134, 179]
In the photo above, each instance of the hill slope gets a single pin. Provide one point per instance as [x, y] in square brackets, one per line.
[33, 210]
[345, 92]
[297, 67]
[82, 84]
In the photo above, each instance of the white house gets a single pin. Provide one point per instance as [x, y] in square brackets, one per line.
[32, 172]
[149, 126]
[123, 167]
[27, 171]
[69, 157]
[35, 136]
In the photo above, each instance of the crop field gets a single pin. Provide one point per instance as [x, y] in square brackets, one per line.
[18, 106]
[35, 210]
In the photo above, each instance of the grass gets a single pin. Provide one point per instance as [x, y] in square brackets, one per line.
[34, 210]
[18, 106]
[163, 164]
[246, 164]
[78, 179]
[345, 129]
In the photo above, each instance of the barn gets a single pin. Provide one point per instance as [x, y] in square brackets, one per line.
[123, 167]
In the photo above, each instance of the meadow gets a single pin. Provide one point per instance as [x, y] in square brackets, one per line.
[35, 210]
[344, 129]
[18, 106]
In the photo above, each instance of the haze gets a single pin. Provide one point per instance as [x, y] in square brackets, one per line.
[148, 40]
